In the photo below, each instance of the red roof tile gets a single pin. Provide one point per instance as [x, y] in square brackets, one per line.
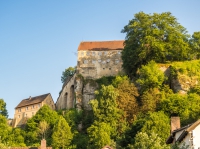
[101, 45]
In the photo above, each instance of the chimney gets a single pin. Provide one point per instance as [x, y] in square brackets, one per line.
[175, 123]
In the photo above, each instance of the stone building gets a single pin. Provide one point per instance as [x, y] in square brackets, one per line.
[28, 107]
[99, 58]
[95, 59]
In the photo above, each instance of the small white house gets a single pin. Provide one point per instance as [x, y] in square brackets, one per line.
[188, 135]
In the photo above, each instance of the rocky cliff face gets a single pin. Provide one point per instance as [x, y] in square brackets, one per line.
[81, 95]
[179, 82]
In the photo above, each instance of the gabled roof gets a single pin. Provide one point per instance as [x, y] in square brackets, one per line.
[32, 100]
[101, 45]
[186, 130]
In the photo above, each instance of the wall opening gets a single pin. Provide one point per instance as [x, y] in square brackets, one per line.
[65, 101]
[72, 98]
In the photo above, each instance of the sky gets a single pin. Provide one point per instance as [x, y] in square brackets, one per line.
[39, 39]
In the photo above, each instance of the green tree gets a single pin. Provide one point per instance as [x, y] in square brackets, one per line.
[5, 130]
[150, 100]
[195, 43]
[150, 76]
[62, 135]
[157, 37]
[99, 135]
[16, 138]
[3, 110]
[43, 127]
[67, 73]
[127, 98]
[145, 141]
[105, 107]
[32, 131]
[152, 122]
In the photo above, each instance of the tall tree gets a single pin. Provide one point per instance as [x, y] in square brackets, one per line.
[105, 107]
[43, 127]
[99, 135]
[44, 114]
[62, 134]
[3, 110]
[157, 37]
[127, 98]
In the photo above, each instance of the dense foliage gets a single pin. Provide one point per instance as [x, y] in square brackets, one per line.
[127, 112]
[157, 37]
[67, 73]
[3, 110]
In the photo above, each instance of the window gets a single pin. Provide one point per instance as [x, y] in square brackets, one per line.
[18, 116]
[93, 61]
[39, 105]
[100, 53]
[109, 68]
[88, 53]
[32, 113]
[103, 62]
[103, 68]
[119, 52]
[82, 53]
[108, 60]
[33, 107]
[25, 115]
[19, 110]
[85, 61]
[93, 53]
[99, 60]
[26, 108]
[116, 61]
[105, 53]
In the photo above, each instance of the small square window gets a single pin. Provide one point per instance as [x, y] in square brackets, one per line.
[33, 106]
[93, 61]
[82, 53]
[88, 53]
[108, 60]
[103, 62]
[109, 68]
[38, 105]
[93, 53]
[105, 53]
[100, 53]
[119, 52]
[85, 61]
[116, 61]
[99, 60]
[26, 108]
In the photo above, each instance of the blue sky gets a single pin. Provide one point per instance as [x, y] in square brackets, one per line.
[39, 39]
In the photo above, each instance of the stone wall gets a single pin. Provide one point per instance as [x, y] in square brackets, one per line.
[66, 100]
[96, 64]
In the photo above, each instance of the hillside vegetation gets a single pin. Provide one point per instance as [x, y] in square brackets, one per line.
[130, 111]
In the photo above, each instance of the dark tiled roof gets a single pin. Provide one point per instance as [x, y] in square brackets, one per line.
[32, 100]
[101, 45]
[186, 130]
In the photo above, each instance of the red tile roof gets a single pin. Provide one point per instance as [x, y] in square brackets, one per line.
[101, 45]
[32, 100]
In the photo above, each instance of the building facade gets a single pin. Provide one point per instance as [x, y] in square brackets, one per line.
[187, 136]
[29, 107]
[99, 58]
